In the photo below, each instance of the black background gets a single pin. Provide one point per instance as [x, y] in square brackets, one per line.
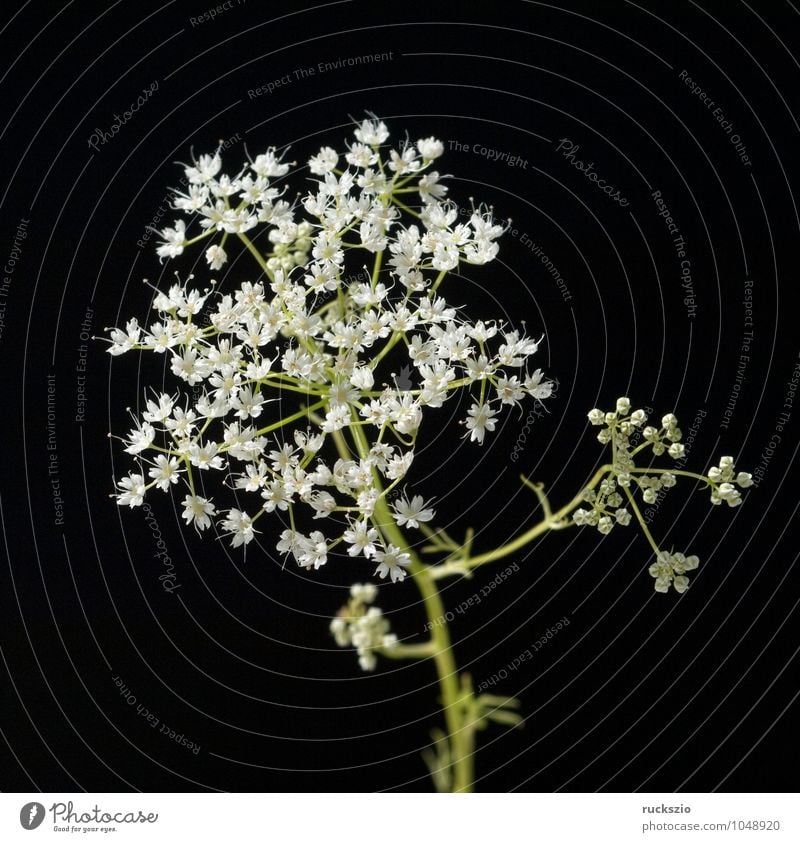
[640, 691]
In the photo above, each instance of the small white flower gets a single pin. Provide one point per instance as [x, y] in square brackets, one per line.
[413, 513]
[323, 504]
[315, 552]
[361, 538]
[677, 451]
[392, 562]
[324, 161]
[581, 517]
[362, 378]
[141, 438]
[197, 510]
[649, 495]
[365, 593]
[638, 418]
[480, 368]
[622, 516]
[604, 525]
[367, 661]
[247, 404]
[157, 412]
[481, 418]
[430, 148]
[340, 631]
[174, 240]
[124, 340]
[132, 490]
[509, 390]
[730, 494]
[216, 257]
[165, 472]
[372, 132]
[240, 525]
[597, 417]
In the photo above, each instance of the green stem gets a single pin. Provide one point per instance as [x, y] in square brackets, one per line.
[405, 207]
[460, 737]
[255, 252]
[552, 520]
[641, 520]
[439, 278]
[410, 650]
[674, 471]
[376, 270]
[302, 413]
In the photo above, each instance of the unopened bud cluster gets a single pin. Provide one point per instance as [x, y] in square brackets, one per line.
[669, 569]
[362, 625]
[629, 436]
[723, 483]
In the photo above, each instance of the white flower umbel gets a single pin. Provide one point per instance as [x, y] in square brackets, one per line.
[285, 384]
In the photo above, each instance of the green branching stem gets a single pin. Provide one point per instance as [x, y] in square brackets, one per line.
[461, 565]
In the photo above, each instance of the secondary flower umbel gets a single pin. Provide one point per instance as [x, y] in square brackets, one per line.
[363, 626]
[628, 436]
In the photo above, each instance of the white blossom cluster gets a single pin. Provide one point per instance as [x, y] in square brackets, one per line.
[274, 373]
[628, 436]
[362, 625]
